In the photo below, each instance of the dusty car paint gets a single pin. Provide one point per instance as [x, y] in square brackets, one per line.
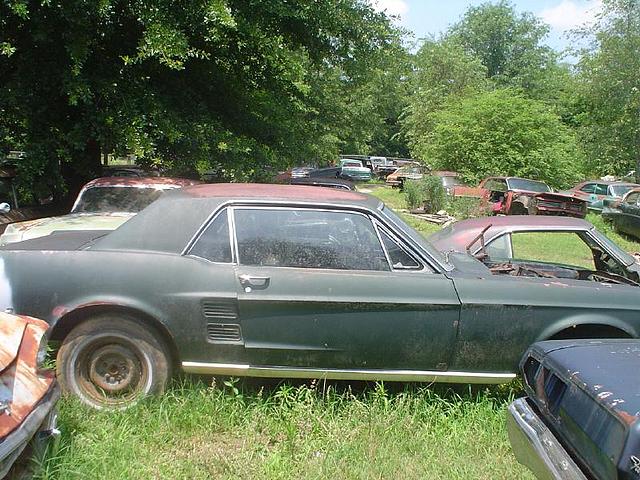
[27, 393]
[581, 416]
[450, 320]
[624, 214]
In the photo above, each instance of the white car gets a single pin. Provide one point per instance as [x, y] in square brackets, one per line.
[102, 204]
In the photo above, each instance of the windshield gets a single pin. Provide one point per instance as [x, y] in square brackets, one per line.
[413, 235]
[115, 199]
[623, 256]
[528, 185]
[620, 190]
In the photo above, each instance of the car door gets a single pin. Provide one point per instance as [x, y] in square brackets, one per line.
[317, 289]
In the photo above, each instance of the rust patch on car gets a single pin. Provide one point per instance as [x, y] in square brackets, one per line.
[22, 384]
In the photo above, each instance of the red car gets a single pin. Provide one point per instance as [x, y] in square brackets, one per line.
[521, 196]
[600, 193]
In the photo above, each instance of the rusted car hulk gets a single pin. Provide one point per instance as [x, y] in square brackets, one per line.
[521, 196]
[286, 281]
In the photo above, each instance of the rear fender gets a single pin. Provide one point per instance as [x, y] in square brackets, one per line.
[585, 321]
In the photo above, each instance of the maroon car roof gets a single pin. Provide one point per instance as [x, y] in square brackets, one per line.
[140, 182]
[271, 191]
[459, 234]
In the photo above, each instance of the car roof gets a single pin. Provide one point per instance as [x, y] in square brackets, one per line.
[599, 366]
[606, 182]
[186, 209]
[459, 234]
[265, 191]
[140, 182]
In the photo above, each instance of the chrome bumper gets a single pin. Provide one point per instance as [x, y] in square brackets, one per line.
[536, 447]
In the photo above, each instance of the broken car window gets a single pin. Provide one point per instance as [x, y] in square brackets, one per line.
[564, 248]
[399, 257]
[214, 244]
[306, 238]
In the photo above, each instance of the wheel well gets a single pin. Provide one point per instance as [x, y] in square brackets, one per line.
[68, 322]
[590, 331]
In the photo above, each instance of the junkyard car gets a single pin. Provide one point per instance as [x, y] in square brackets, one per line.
[625, 213]
[597, 193]
[561, 247]
[28, 394]
[404, 173]
[287, 281]
[102, 204]
[522, 196]
[581, 416]
[355, 170]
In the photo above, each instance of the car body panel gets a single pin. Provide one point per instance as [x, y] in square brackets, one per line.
[587, 393]
[451, 319]
[354, 170]
[625, 213]
[27, 393]
[518, 196]
[599, 192]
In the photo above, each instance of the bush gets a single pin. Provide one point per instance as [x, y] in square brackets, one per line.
[427, 192]
[467, 207]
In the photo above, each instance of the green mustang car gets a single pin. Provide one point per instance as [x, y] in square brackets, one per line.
[287, 281]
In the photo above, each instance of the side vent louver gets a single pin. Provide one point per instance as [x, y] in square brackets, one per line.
[224, 332]
[223, 312]
[219, 310]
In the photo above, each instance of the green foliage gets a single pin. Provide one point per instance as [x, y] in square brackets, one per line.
[608, 102]
[467, 207]
[502, 133]
[244, 86]
[508, 45]
[427, 192]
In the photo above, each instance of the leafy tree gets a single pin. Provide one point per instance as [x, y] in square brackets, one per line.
[443, 70]
[188, 85]
[609, 95]
[501, 132]
[508, 45]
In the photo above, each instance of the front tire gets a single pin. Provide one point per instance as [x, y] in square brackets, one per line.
[112, 361]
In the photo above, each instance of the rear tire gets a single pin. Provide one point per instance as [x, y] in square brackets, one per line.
[112, 361]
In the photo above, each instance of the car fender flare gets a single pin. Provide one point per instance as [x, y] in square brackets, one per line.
[65, 317]
[584, 320]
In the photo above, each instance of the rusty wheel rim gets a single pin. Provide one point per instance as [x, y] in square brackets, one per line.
[111, 372]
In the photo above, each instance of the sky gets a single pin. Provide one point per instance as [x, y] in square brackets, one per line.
[428, 18]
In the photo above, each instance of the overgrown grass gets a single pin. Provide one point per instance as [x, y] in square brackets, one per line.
[199, 431]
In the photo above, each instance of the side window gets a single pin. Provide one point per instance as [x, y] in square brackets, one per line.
[589, 188]
[566, 248]
[399, 257]
[500, 248]
[601, 189]
[632, 198]
[214, 244]
[306, 238]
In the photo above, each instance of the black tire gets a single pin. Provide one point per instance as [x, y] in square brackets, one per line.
[111, 361]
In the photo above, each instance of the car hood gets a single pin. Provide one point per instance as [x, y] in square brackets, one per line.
[17, 232]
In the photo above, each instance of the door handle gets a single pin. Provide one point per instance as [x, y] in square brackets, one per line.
[253, 282]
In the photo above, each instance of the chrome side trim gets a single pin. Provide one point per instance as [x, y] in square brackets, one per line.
[241, 370]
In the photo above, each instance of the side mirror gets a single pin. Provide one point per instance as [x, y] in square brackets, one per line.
[5, 207]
